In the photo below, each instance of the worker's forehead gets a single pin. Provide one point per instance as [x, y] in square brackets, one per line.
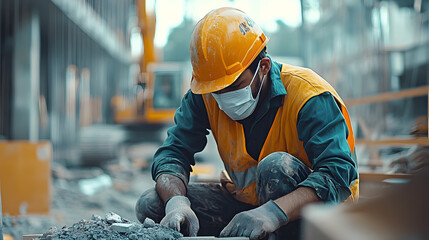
[242, 77]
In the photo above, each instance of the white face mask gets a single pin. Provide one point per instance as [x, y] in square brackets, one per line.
[239, 104]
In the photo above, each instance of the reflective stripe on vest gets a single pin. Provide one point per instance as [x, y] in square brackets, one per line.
[301, 84]
[242, 179]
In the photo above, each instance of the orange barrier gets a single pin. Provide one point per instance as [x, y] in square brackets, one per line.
[25, 177]
[7, 237]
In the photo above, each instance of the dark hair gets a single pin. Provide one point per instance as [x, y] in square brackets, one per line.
[255, 62]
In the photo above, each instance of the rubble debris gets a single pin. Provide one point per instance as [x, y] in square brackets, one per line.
[112, 226]
[59, 171]
[111, 217]
[412, 162]
[91, 186]
[148, 223]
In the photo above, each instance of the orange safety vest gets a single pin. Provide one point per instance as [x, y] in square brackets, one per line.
[301, 84]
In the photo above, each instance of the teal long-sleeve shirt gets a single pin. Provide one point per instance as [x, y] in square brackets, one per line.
[320, 125]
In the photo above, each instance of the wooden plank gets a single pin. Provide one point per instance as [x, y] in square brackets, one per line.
[379, 177]
[403, 47]
[31, 236]
[421, 141]
[389, 96]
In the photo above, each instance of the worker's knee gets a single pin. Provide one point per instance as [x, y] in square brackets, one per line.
[150, 205]
[279, 164]
[278, 174]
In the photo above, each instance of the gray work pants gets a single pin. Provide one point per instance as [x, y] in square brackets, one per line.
[277, 175]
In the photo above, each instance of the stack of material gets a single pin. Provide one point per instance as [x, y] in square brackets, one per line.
[99, 144]
[111, 227]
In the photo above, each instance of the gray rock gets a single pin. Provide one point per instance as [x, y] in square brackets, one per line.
[148, 223]
[133, 236]
[96, 218]
[136, 227]
[112, 217]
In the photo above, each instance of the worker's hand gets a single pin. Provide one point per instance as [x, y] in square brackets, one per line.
[180, 217]
[256, 223]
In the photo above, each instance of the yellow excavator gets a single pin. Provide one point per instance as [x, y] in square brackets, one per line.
[159, 86]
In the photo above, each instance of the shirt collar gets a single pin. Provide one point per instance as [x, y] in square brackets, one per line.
[277, 90]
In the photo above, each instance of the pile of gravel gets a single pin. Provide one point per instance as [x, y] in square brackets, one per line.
[112, 226]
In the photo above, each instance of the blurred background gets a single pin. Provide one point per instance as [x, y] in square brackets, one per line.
[90, 87]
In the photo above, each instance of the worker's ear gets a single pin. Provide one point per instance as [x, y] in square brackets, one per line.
[265, 65]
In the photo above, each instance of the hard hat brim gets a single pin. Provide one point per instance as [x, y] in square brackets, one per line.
[203, 87]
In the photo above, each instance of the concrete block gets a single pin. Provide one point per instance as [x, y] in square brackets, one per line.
[122, 227]
[112, 217]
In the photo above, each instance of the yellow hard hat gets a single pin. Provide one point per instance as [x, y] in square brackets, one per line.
[223, 44]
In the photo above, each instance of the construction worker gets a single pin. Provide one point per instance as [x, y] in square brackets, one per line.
[283, 133]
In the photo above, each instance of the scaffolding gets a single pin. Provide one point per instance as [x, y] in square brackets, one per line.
[61, 63]
[376, 54]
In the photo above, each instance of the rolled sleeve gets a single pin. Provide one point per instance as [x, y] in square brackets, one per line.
[323, 130]
[172, 166]
[187, 137]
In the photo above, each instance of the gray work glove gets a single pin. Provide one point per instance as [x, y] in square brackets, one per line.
[180, 217]
[256, 223]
